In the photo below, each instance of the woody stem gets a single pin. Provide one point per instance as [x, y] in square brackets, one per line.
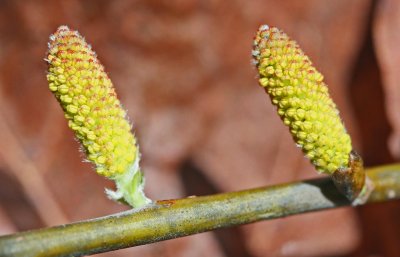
[176, 218]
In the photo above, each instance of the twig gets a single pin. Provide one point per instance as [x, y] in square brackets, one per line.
[176, 218]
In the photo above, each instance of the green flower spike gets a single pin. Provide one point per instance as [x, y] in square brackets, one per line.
[87, 96]
[297, 89]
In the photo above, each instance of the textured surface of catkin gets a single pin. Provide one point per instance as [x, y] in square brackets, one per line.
[297, 89]
[89, 101]
[90, 104]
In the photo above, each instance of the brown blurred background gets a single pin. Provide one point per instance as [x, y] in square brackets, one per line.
[182, 70]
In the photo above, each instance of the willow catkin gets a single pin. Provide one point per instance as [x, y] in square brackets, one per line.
[297, 89]
[86, 94]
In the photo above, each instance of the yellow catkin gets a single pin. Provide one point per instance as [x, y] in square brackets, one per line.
[87, 96]
[302, 99]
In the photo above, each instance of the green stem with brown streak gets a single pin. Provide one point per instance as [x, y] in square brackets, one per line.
[176, 218]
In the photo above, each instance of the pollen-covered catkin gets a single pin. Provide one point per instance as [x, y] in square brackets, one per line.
[297, 89]
[87, 96]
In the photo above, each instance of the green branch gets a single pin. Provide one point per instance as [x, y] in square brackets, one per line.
[176, 218]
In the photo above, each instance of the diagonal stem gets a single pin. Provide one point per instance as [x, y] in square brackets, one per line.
[176, 218]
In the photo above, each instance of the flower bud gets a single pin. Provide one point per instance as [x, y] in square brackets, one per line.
[297, 89]
[85, 92]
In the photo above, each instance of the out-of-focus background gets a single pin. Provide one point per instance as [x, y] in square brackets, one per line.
[182, 70]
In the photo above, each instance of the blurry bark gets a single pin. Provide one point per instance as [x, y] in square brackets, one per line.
[182, 70]
[375, 95]
[387, 40]
[30, 178]
[6, 225]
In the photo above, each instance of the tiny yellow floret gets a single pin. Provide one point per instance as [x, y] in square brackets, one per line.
[302, 99]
